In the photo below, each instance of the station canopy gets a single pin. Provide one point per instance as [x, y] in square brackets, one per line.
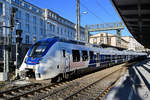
[136, 16]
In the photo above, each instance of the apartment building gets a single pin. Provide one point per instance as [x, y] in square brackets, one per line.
[36, 23]
[108, 39]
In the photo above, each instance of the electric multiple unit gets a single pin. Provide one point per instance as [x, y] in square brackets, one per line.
[52, 57]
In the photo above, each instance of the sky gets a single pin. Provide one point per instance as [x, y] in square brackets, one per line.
[98, 11]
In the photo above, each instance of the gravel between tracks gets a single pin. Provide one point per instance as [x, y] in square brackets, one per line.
[82, 82]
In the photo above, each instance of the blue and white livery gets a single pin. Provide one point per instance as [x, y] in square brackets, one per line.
[52, 57]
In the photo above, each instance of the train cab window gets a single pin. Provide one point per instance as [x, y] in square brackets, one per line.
[38, 49]
[91, 55]
[76, 55]
[64, 54]
[84, 56]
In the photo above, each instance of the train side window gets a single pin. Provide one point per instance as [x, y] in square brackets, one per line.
[91, 55]
[114, 57]
[76, 55]
[84, 56]
[64, 54]
[107, 57]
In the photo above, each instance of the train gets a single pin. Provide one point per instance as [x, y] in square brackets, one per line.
[54, 58]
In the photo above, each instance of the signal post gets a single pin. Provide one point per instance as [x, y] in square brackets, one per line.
[18, 45]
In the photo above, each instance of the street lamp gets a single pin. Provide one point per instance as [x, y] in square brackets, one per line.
[85, 12]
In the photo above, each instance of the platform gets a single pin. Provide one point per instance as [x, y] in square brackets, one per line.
[134, 85]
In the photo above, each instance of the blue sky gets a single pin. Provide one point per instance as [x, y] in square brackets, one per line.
[99, 11]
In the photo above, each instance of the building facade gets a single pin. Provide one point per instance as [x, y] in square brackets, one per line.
[61, 27]
[127, 42]
[35, 22]
[133, 44]
[108, 39]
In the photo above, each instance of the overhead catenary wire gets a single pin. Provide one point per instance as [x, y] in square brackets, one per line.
[105, 10]
[90, 11]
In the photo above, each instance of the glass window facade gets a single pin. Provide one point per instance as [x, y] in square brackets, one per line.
[57, 30]
[27, 17]
[41, 26]
[34, 19]
[26, 6]
[27, 39]
[41, 31]
[34, 24]
[34, 29]
[52, 27]
[41, 22]
[34, 9]
[19, 26]
[17, 1]
[27, 28]
[18, 14]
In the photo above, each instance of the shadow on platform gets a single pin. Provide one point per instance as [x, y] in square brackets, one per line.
[129, 89]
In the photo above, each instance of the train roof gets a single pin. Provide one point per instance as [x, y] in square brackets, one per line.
[103, 50]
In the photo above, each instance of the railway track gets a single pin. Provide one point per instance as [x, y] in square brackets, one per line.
[17, 91]
[91, 86]
[32, 91]
[95, 90]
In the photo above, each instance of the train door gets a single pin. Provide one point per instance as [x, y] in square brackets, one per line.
[98, 59]
[66, 60]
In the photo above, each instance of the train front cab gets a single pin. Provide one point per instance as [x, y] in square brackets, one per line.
[31, 66]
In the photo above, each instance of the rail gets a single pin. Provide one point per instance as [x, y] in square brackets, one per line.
[90, 85]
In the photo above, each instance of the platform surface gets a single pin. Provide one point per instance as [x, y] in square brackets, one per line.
[134, 85]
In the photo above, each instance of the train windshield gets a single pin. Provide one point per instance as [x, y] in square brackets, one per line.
[38, 49]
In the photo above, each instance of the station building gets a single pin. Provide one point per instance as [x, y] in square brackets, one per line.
[36, 23]
[127, 42]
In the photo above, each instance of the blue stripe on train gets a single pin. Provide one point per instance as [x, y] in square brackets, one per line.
[102, 58]
[32, 61]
